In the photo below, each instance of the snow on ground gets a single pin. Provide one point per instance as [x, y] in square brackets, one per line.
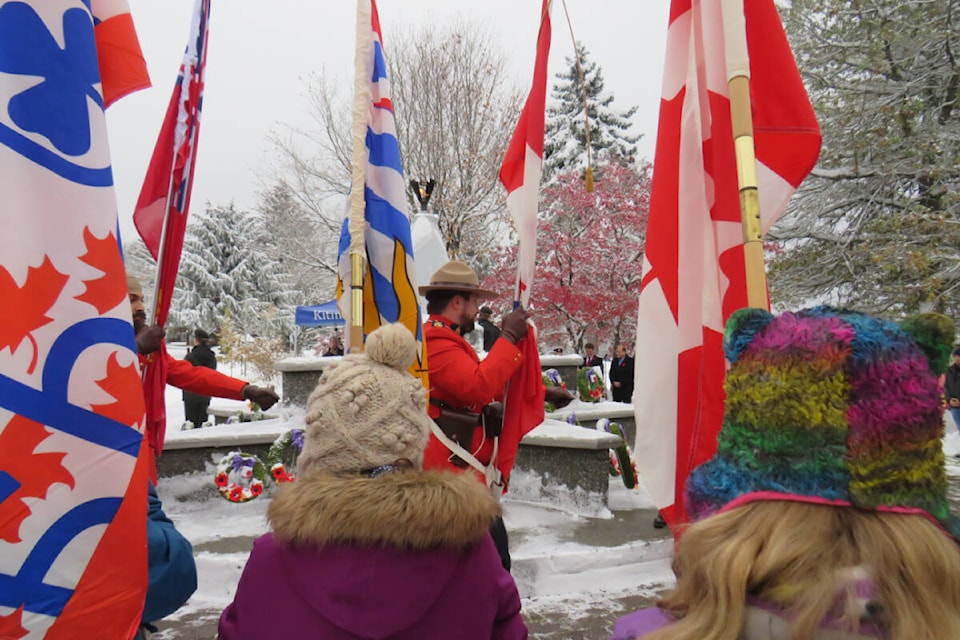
[951, 447]
[204, 517]
[550, 567]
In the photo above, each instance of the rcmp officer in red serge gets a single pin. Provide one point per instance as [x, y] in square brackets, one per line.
[459, 380]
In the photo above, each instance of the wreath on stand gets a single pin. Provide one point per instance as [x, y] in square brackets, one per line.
[590, 385]
[252, 414]
[282, 457]
[621, 460]
[552, 378]
[240, 477]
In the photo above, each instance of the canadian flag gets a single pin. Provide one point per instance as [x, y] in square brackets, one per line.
[523, 163]
[693, 271]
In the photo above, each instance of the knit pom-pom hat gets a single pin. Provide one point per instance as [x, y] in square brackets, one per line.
[367, 410]
[832, 407]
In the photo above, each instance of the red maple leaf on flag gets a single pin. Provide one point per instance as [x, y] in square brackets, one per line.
[31, 301]
[11, 626]
[108, 290]
[34, 472]
[122, 383]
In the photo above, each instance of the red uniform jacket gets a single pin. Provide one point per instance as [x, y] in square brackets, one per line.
[459, 378]
[182, 374]
[200, 380]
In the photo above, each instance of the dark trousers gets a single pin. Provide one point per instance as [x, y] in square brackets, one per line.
[196, 410]
[499, 534]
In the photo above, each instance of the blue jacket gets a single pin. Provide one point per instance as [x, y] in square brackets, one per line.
[173, 572]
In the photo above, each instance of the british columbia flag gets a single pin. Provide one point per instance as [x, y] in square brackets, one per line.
[73, 484]
[389, 288]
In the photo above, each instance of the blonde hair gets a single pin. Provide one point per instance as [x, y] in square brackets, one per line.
[792, 555]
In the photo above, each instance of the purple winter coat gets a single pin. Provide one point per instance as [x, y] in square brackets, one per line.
[635, 624]
[400, 556]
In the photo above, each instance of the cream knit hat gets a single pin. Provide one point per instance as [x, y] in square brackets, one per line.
[367, 411]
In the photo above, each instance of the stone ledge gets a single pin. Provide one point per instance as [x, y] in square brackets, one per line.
[219, 436]
[550, 433]
[567, 454]
[595, 411]
[556, 433]
[568, 360]
[301, 364]
[588, 414]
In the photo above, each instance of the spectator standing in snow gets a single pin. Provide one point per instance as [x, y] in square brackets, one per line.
[591, 359]
[621, 375]
[490, 331]
[824, 513]
[951, 388]
[334, 347]
[195, 405]
[366, 544]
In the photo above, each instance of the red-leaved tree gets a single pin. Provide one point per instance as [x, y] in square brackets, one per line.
[589, 258]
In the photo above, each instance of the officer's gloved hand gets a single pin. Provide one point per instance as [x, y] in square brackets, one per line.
[149, 339]
[265, 398]
[558, 397]
[515, 325]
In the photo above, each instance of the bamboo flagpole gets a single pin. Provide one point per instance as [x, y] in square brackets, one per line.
[738, 79]
[357, 225]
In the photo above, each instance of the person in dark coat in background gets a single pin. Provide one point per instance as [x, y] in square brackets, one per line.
[951, 388]
[490, 331]
[591, 359]
[621, 375]
[335, 347]
[195, 406]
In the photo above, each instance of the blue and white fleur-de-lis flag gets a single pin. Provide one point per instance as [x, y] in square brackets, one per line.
[73, 485]
[389, 284]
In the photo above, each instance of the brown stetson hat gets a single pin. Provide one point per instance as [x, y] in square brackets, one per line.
[457, 276]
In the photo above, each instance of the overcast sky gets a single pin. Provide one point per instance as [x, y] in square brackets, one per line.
[261, 50]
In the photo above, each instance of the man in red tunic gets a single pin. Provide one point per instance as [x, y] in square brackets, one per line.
[181, 373]
[460, 381]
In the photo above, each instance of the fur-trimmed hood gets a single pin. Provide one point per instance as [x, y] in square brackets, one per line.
[405, 555]
[407, 510]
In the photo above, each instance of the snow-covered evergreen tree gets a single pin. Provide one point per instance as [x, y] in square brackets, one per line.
[876, 226]
[565, 143]
[301, 243]
[226, 267]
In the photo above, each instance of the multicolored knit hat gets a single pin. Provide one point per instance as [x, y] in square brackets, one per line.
[831, 407]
